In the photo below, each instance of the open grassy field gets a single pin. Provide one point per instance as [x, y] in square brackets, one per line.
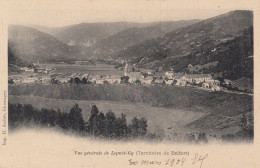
[99, 69]
[159, 119]
[159, 96]
[163, 106]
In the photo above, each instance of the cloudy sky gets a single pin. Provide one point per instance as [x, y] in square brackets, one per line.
[66, 12]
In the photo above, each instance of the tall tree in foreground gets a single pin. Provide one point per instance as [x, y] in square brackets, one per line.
[75, 118]
[93, 121]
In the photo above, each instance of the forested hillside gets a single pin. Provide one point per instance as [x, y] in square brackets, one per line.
[223, 38]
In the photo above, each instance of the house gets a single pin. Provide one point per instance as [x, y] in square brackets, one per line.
[46, 71]
[93, 78]
[100, 81]
[197, 78]
[215, 88]
[168, 82]
[133, 76]
[228, 82]
[147, 80]
[63, 79]
[177, 75]
[30, 80]
[158, 81]
[169, 74]
[206, 85]
[180, 82]
[213, 82]
[36, 64]
[46, 80]
[39, 70]
[16, 81]
[25, 69]
[114, 79]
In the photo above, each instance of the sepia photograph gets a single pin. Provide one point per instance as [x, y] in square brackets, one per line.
[148, 73]
[178, 81]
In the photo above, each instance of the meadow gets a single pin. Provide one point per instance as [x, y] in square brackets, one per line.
[159, 119]
[163, 106]
[98, 69]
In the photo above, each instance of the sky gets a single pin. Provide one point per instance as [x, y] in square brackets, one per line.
[67, 12]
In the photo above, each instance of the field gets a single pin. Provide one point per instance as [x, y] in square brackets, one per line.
[99, 69]
[159, 119]
[164, 106]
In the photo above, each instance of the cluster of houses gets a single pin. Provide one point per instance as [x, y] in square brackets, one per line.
[169, 78]
[36, 69]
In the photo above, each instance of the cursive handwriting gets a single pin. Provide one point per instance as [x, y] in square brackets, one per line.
[194, 160]
[199, 159]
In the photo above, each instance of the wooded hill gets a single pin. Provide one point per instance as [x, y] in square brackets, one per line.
[227, 39]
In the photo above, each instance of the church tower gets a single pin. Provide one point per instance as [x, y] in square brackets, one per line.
[125, 70]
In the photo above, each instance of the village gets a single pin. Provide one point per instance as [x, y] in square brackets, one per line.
[47, 76]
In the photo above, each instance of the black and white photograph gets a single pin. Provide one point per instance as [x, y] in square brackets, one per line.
[119, 83]
[181, 80]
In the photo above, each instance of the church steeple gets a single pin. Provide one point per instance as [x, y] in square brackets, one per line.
[125, 69]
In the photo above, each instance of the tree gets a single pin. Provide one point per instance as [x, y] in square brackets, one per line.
[202, 137]
[124, 79]
[134, 127]
[101, 124]
[138, 82]
[10, 81]
[105, 82]
[247, 127]
[71, 81]
[142, 126]
[120, 127]
[110, 127]
[138, 127]
[190, 137]
[84, 80]
[54, 81]
[75, 118]
[77, 80]
[92, 125]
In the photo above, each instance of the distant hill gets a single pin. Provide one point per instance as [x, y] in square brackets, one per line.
[31, 45]
[136, 35]
[223, 38]
[87, 34]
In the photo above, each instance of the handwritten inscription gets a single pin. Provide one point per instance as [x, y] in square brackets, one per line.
[199, 159]
[196, 160]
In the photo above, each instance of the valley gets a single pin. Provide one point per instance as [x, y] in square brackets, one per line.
[168, 77]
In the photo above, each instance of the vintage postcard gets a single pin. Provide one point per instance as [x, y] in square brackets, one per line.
[136, 83]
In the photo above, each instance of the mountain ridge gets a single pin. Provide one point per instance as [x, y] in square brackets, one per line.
[178, 48]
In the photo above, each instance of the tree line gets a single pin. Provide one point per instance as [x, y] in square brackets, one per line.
[98, 125]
